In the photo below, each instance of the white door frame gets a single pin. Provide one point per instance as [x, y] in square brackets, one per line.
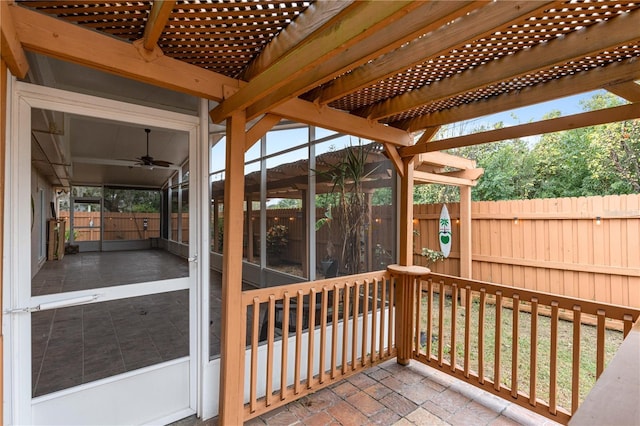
[18, 405]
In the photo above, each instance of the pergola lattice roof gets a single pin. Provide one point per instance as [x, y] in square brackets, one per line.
[397, 65]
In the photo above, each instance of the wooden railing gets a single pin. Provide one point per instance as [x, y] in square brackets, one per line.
[531, 348]
[303, 337]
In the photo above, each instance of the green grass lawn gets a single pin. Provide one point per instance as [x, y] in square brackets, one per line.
[613, 339]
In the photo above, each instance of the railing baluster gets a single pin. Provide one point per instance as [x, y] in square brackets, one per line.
[383, 299]
[374, 320]
[481, 318]
[553, 364]
[441, 299]
[515, 333]
[429, 317]
[270, 349]
[498, 343]
[323, 331]
[266, 305]
[244, 334]
[356, 314]
[284, 365]
[365, 321]
[454, 317]
[391, 336]
[575, 373]
[312, 333]
[600, 343]
[255, 332]
[467, 330]
[533, 363]
[334, 328]
[299, 312]
[345, 326]
[418, 299]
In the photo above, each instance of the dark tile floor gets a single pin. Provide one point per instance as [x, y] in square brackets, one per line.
[80, 344]
[105, 269]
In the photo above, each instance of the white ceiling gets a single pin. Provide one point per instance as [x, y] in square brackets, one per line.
[93, 151]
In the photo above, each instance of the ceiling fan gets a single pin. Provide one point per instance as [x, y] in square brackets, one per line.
[147, 160]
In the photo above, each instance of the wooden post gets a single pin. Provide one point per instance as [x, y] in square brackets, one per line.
[404, 273]
[406, 214]
[465, 232]
[465, 237]
[370, 219]
[406, 277]
[232, 354]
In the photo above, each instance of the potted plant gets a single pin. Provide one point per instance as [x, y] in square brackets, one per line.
[348, 176]
[276, 243]
[432, 256]
[328, 260]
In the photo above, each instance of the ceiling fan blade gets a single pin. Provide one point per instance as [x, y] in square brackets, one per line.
[161, 163]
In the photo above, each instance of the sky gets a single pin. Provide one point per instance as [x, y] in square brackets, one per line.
[567, 106]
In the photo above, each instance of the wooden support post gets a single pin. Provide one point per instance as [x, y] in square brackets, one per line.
[232, 355]
[369, 245]
[465, 232]
[404, 273]
[465, 237]
[406, 214]
[406, 277]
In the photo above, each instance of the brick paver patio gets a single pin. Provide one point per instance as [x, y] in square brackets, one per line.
[390, 394]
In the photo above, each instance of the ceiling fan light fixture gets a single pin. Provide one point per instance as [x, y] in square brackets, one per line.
[147, 161]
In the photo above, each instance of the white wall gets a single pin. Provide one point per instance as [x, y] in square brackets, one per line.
[41, 213]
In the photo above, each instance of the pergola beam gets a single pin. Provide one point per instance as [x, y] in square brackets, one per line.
[592, 118]
[460, 29]
[357, 23]
[50, 36]
[158, 17]
[409, 25]
[53, 37]
[588, 41]
[316, 16]
[394, 156]
[12, 52]
[329, 118]
[443, 159]
[629, 90]
[585, 81]
[259, 129]
[425, 177]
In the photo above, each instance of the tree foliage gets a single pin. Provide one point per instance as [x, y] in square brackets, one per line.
[598, 160]
[131, 200]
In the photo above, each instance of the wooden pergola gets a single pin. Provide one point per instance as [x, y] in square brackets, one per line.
[377, 70]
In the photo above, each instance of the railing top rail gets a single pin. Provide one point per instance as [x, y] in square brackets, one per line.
[278, 292]
[525, 295]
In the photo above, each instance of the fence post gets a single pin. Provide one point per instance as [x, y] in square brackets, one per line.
[406, 279]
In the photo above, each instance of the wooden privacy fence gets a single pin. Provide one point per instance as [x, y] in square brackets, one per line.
[123, 226]
[515, 353]
[306, 336]
[379, 235]
[586, 247]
